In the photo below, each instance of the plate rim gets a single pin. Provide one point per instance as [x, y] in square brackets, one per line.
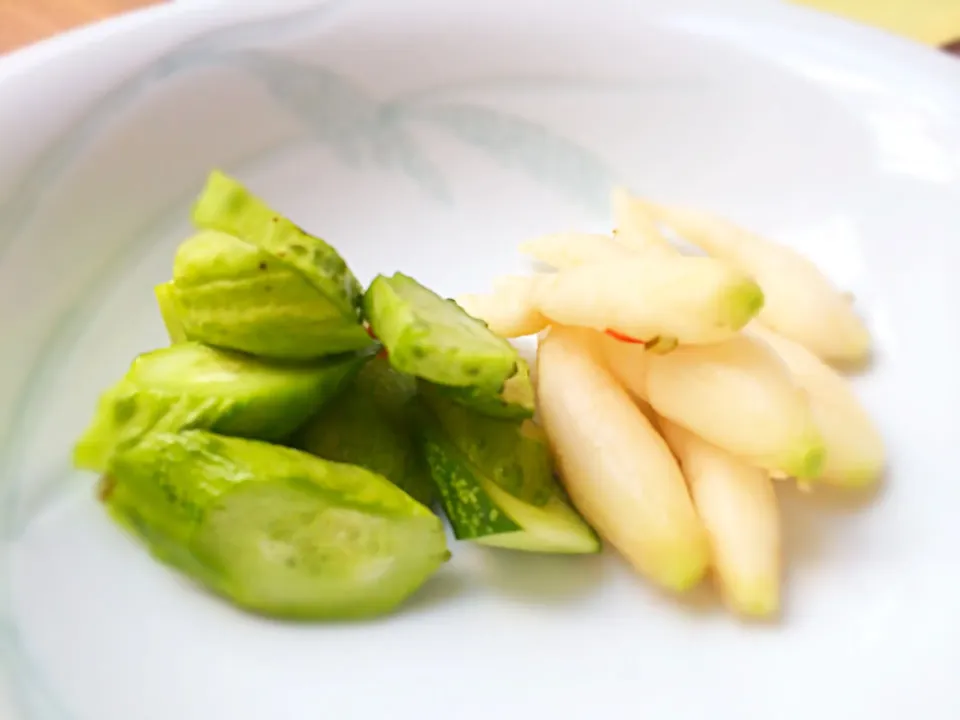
[113, 31]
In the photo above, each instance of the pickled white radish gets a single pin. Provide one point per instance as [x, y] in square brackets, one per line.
[856, 456]
[737, 395]
[615, 466]
[509, 310]
[801, 303]
[636, 227]
[738, 506]
[628, 363]
[566, 250]
[692, 299]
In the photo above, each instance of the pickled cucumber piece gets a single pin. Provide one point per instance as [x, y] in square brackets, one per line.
[372, 424]
[251, 280]
[496, 482]
[512, 454]
[434, 338]
[189, 385]
[275, 530]
[229, 293]
[515, 400]
[227, 206]
[169, 313]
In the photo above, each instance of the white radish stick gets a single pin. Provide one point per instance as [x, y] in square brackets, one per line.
[738, 506]
[738, 395]
[636, 227]
[566, 250]
[856, 456]
[509, 310]
[616, 468]
[628, 364]
[692, 299]
[801, 303]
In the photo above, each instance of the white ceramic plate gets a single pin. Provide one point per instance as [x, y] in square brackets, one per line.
[432, 136]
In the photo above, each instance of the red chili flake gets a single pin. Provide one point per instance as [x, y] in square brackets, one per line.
[624, 338]
[372, 334]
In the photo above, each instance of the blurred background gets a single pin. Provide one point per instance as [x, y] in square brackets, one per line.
[933, 22]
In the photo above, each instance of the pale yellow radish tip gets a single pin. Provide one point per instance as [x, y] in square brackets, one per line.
[738, 507]
[684, 574]
[743, 303]
[508, 311]
[802, 303]
[857, 348]
[861, 478]
[806, 459]
[855, 453]
[760, 599]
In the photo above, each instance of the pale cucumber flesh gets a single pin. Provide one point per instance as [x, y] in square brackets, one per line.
[434, 339]
[230, 293]
[192, 386]
[373, 424]
[275, 530]
[496, 483]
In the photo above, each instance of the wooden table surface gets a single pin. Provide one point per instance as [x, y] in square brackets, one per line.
[25, 21]
[936, 22]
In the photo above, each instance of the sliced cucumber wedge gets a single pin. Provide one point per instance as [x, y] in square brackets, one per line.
[253, 281]
[373, 424]
[169, 314]
[434, 339]
[193, 386]
[496, 481]
[275, 530]
[227, 206]
[515, 399]
[230, 294]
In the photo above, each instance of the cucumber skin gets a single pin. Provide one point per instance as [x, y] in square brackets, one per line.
[468, 507]
[169, 313]
[226, 205]
[373, 424]
[136, 406]
[481, 511]
[515, 401]
[512, 454]
[496, 481]
[228, 293]
[399, 323]
[164, 490]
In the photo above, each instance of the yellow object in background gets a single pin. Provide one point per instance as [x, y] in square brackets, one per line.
[934, 22]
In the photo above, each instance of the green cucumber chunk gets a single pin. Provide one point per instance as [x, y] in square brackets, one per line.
[275, 530]
[463, 492]
[229, 293]
[169, 313]
[553, 528]
[226, 205]
[496, 482]
[513, 455]
[193, 386]
[434, 339]
[373, 424]
[515, 399]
